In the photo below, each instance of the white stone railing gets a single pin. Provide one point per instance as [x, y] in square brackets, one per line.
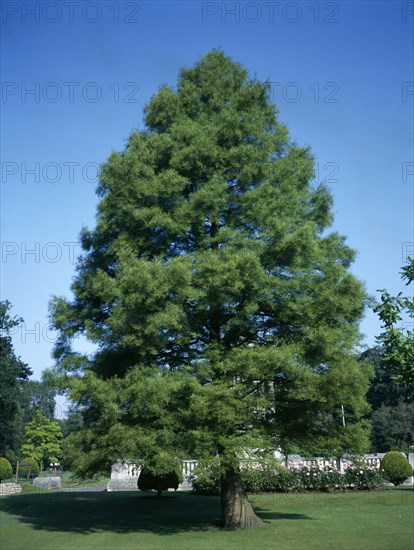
[124, 475]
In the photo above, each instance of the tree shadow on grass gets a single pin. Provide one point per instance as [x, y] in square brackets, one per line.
[267, 515]
[122, 512]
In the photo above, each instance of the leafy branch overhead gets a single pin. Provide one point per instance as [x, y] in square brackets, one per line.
[397, 342]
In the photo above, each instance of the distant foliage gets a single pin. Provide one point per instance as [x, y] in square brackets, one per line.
[42, 439]
[12, 373]
[6, 469]
[392, 405]
[398, 343]
[27, 463]
[396, 467]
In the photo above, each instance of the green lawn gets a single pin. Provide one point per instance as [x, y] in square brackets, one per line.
[377, 520]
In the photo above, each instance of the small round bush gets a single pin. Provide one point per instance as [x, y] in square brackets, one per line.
[396, 467]
[149, 481]
[29, 463]
[6, 469]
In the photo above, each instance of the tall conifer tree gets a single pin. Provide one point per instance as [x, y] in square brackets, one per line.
[224, 312]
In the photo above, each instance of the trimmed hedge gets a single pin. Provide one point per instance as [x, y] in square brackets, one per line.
[149, 481]
[396, 467]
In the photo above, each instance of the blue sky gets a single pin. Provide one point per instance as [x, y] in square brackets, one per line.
[76, 75]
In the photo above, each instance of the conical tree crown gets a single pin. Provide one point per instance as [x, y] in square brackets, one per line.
[211, 279]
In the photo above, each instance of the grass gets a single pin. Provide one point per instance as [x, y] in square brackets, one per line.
[104, 521]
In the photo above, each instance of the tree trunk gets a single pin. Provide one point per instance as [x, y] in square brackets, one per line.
[236, 510]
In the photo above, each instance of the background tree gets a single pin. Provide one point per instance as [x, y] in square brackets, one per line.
[33, 396]
[223, 311]
[42, 440]
[392, 406]
[12, 372]
[397, 342]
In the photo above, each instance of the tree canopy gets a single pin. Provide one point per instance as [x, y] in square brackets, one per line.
[397, 342]
[12, 372]
[392, 406]
[42, 439]
[223, 310]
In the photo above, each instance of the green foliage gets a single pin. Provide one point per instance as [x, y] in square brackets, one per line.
[396, 467]
[272, 477]
[148, 481]
[161, 474]
[33, 396]
[6, 469]
[12, 372]
[398, 343]
[42, 439]
[268, 478]
[393, 428]
[223, 310]
[362, 477]
[205, 478]
[29, 463]
[392, 405]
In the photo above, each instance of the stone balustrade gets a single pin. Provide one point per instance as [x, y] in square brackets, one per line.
[124, 475]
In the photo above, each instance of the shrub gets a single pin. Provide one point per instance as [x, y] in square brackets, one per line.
[362, 477]
[29, 463]
[256, 478]
[161, 479]
[149, 481]
[6, 469]
[271, 476]
[396, 467]
[267, 477]
[205, 479]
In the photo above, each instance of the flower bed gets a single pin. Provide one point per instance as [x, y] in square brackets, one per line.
[263, 478]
